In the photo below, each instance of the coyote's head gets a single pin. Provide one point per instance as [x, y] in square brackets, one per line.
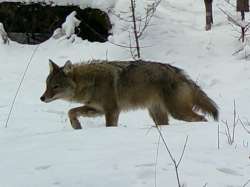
[59, 83]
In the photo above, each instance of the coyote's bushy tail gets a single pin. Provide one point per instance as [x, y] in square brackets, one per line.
[205, 104]
[199, 98]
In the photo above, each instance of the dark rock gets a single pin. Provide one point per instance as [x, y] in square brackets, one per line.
[35, 23]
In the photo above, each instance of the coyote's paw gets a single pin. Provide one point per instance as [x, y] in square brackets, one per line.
[75, 124]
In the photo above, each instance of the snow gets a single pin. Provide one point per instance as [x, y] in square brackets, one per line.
[3, 34]
[67, 31]
[101, 4]
[39, 148]
[71, 22]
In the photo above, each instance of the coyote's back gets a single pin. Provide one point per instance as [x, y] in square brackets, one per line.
[107, 88]
[163, 89]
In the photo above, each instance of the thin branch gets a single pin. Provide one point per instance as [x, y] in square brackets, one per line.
[105, 39]
[20, 84]
[141, 19]
[218, 136]
[238, 51]
[245, 144]
[230, 141]
[156, 159]
[135, 29]
[244, 126]
[234, 27]
[150, 11]
[139, 26]
[149, 130]
[183, 151]
[177, 174]
[231, 135]
[205, 185]
[227, 132]
[131, 49]
[232, 5]
[176, 164]
[165, 144]
[248, 182]
[235, 122]
[230, 16]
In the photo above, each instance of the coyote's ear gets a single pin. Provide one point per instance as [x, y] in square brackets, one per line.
[67, 68]
[53, 66]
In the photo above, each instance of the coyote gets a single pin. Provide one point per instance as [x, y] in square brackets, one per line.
[109, 87]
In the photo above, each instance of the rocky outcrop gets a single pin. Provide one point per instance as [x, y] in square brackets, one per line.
[34, 23]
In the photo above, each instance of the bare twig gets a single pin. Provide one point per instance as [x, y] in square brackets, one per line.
[104, 39]
[156, 159]
[139, 25]
[135, 29]
[218, 136]
[131, 49]
[20, 84]
[149, 130]
[232, 5]
[245, 144]
[244, 126]
[150, 11]
[183, 151]
[234, 122]
[243, 25]
[176, 164]
[239, 50]
[231, 135]
[205, 185]
[228, 133]
[248, 182]
[165, 143]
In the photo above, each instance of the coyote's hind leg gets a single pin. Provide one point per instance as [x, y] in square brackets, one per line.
[159, 115]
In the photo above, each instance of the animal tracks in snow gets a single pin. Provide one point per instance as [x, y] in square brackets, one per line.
[229, 171]
[145, 165]
[43, 167]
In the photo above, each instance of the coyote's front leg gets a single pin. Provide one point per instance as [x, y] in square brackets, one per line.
[84, 111]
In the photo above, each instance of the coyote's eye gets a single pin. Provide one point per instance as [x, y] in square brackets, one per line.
[56, 87]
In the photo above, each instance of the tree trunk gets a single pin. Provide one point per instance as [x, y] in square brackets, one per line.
[209, 14]
[135, 29]
[243, 5]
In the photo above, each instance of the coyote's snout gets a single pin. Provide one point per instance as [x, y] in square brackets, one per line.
[107, 88]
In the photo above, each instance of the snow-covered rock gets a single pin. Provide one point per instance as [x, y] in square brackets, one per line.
[68, 27]
[3, 34]
[58, 33]
[71, 22]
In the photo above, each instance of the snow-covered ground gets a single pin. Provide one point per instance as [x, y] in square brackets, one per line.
[39, 147]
